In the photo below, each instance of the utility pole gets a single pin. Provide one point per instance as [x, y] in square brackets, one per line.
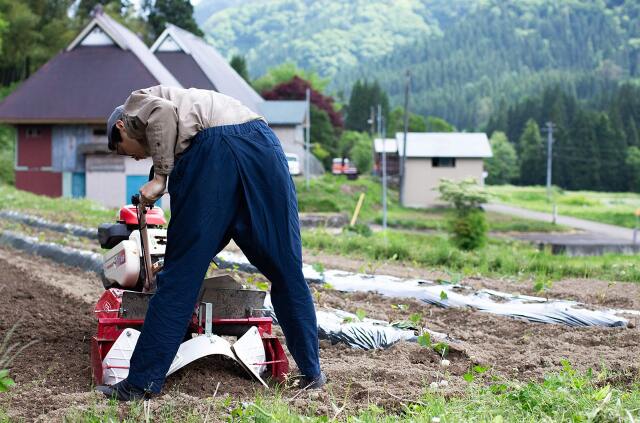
[549, 157]
[382, 135]
[307, 141]
[554, 210]
[404, 142]
[372, 121]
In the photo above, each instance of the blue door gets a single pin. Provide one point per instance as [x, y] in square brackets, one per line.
[134, 182]
[78, 185]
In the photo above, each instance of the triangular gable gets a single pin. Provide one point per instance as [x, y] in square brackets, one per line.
[215, 67]
[167, 42]
[96, 34]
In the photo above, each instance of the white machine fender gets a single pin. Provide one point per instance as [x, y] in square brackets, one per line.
[249, 353]
[198, 347]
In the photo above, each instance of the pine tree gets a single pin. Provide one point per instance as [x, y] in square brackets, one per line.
[363, 97]
[583, 153]
[177, 12]
[532, 160]
[239, 64]
[612, 148]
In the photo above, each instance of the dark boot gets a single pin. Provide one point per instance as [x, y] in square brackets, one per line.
[313, 383]
[123, 391]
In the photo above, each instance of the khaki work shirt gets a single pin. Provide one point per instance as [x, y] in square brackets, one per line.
[166, 118]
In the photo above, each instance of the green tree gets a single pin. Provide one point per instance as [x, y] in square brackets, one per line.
[362, 153]
[436, 124]
[503, 166]
[633, 165]
[396, 122]
[364, 97]
[357, 146]
[323, 136]
[612, 147]
[239, 64]
[177, 12]
[583, 153]
[285, 73]
[532, 160]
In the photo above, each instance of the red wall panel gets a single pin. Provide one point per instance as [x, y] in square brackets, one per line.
[40, 182]
[34, 149]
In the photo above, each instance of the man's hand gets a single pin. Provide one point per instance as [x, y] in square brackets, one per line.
[153, 190]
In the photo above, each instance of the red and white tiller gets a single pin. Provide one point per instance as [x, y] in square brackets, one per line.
[225, 309]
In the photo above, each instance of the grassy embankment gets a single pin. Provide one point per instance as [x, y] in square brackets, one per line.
[562, 397]
[499, 258]
[605, 207]
[337, 194]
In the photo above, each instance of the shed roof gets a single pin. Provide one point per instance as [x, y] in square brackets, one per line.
[220, 74]
[284, 112]
[97, 72]
[390, 145]
[445, 144]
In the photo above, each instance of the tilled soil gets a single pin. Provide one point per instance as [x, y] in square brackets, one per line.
[53, 305]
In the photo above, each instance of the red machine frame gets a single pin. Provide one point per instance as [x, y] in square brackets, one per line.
[111, 325]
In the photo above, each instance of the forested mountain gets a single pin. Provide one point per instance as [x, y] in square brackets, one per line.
[466, 56]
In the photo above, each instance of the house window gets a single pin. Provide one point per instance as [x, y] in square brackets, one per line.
[443, 162]
[101, 132]
[33, 132]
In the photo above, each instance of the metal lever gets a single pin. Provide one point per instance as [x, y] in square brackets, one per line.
[144, 237]
[208, 318]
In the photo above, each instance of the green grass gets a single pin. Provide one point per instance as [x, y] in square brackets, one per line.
[565, 396]
[499, 258]
[605, 207]
[326, 194]
[331, 193]
[66, 210]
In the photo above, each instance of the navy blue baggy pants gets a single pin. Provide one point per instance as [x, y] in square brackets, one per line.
[232, 182]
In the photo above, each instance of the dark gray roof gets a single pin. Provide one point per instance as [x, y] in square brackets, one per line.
[85, 82]
[281, 112]
[81, 85]
[186, 70]
[221, 75]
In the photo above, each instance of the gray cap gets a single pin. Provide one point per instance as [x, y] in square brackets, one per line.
[113, 135]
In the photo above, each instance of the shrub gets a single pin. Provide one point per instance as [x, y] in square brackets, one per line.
[469, 230]
[468, 224]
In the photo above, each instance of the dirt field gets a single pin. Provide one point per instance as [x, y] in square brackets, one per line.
[53, 306]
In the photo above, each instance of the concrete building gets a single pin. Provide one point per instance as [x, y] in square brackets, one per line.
[60, 112]
[434, 156]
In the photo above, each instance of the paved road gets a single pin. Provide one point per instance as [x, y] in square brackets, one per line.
[603, 231]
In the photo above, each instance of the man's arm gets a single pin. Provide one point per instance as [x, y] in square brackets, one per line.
[160, 121]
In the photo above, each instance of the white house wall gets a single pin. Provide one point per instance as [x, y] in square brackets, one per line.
[422, 180]
[105, 179]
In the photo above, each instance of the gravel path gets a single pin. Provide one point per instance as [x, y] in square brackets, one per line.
[599, 232]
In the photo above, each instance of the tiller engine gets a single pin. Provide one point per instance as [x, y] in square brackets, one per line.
[136, 246]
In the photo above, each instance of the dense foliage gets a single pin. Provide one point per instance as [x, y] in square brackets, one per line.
[466, 56]
[33, 31]
[177, 12]
[595, 146]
